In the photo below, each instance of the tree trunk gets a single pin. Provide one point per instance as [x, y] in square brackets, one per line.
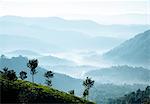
[32, 78]
[87, 97]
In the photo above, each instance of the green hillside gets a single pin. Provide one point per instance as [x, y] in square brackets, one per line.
[20, 91]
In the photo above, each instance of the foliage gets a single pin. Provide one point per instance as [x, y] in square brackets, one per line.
[23, 75]
[21, 91]
[49, 75]
[8, 74]
[48, 82]
[32, 64]
[85, 93]
[88, 83]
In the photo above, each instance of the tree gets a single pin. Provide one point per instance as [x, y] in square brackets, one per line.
[23, 75]
[4, 72]
[88, 83]
[32, 64]
[85, 93]
[71, 92]
[8, 74]
[48, 75]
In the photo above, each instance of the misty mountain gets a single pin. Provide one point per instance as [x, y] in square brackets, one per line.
[26, 53]
[133, 51]
[102, 93]
[60, 81]
[76, 71]
[53, 61]
[69, 34]
[44, 60]
[99, 93]
[14, 42]
[121, 74]
[87, 27]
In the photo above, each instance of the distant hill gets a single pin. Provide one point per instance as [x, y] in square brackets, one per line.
[17, 42]
[88, 27]
[53, 61]
[133, 51]
[76, 71]
[104, 93]
[20, 63]
[26, 92]
[121, 74]
[44, 60]
[136, 97]
[67, 34]
[27, 53]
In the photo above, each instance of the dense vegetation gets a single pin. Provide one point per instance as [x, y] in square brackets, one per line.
[138, 97]
[18, 91]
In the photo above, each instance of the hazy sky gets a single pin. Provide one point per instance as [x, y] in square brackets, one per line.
[73, 9]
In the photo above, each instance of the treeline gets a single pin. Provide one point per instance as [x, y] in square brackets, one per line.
[137, 97]
[32, 65]
[11, 76]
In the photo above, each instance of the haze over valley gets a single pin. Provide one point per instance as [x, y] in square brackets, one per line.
[109, 44]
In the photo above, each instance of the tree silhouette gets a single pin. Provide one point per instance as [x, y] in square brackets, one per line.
[23, 75]
[4, 72]
[32, 64]
[48, 75]
[8, 74]
[85, 93]
[88, 83]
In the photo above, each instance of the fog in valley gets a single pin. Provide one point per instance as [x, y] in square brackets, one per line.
[113, 49]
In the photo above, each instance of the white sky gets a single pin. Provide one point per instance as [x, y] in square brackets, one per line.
[73, 9]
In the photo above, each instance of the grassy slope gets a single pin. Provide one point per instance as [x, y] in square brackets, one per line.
[24, 91]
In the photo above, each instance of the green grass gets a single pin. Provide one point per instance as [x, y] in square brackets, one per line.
[24, 91]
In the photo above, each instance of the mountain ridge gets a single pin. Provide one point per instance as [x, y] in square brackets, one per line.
[121, 74]
[133, 51]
